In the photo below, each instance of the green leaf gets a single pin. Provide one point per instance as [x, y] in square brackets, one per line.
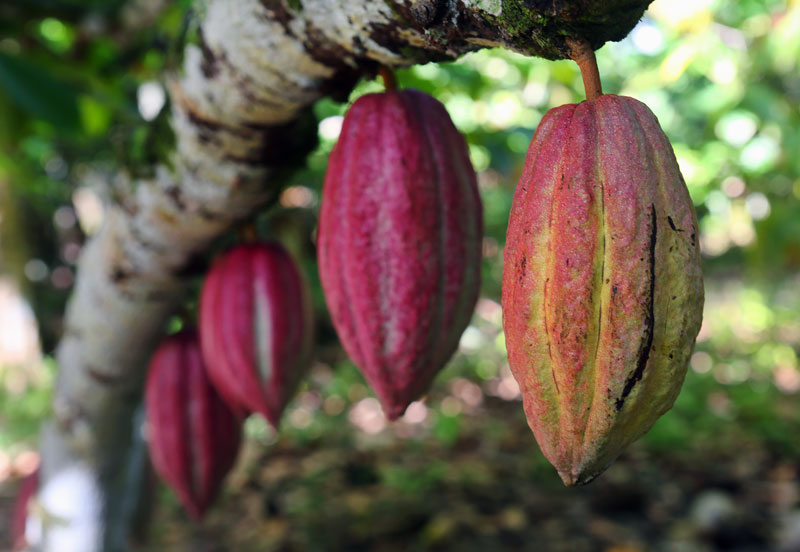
[35, 90]
[96, 116]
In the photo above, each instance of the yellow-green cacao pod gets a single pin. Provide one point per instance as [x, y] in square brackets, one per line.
[602, 284]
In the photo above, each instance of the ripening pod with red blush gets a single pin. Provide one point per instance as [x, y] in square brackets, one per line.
[193, 435]
[399, 241]
[256, 327]
[19, 516]
[602, 282]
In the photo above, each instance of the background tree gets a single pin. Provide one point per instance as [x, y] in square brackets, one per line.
[723, 88]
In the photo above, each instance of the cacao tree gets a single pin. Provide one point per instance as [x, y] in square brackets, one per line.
[241, 116]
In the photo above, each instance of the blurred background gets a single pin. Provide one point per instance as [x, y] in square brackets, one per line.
[82, 97]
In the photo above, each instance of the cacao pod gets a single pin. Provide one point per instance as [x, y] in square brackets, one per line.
[193, 434]
[256, 327]
[399, 241]
[602, 284]
[19, 516]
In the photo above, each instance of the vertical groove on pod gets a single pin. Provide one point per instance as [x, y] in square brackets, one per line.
[262, 266]
[442, 253]
[600, 286]
[649, 328]
[343, 240]
[548, 273]
[383, 218]
[429, 151]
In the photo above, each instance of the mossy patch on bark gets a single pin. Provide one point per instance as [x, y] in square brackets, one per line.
[540, 27]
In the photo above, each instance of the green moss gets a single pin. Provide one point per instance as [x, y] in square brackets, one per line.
[526, 29]
[534, 32]
[295, 5]
[519, 20]
[537, 31]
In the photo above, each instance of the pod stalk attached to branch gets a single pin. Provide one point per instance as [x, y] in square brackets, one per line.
[389, 78]
[582, 54]
[247, 233]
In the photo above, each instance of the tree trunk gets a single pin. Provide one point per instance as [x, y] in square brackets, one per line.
[242, 119]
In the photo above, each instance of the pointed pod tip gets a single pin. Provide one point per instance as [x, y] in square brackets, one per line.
[394, 411]
[577, 478]
[569, 479]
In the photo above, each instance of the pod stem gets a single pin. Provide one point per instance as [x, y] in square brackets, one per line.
[389, 78]
[247, 233]
[581, 53]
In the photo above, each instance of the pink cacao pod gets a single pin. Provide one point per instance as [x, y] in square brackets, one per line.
[19, 515]
[194, 436]
[399, 241]
[256, 327]
[602, 284]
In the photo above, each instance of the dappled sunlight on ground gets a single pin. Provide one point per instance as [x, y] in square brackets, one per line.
[460, 470]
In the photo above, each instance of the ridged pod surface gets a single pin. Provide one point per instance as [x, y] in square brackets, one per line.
[256, 327]
[399, 241]
[192, 433]
[602, 284]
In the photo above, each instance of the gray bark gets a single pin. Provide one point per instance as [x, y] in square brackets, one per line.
[241, 118]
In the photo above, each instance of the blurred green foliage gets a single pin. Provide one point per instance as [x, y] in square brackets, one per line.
[722, 77]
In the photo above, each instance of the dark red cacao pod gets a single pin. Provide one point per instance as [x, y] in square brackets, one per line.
[193, 434]
[19, 515]
[256, 327]
[602, 283]
[399, 241]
